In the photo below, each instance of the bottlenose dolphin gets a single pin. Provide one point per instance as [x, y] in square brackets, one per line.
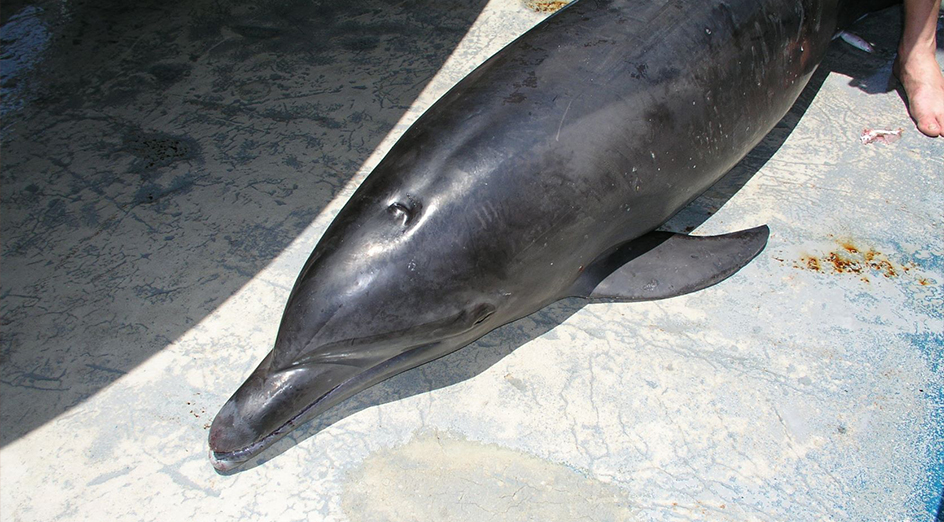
[541, 175]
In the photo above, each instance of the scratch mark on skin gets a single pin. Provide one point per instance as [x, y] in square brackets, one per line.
[559, 127]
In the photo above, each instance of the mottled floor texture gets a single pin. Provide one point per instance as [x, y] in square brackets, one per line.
[168, 166]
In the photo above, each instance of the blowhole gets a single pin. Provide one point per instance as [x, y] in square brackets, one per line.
[400, 213]
[405, 210]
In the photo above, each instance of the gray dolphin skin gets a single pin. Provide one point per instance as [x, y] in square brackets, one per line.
[541, 175]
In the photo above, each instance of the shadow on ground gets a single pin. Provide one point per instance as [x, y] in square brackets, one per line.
[871, 72]
[158, 155]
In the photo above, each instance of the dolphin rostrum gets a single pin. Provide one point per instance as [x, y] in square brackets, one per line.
[541, 175]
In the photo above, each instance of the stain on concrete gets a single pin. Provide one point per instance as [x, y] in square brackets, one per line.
[156, 150]
[437, 476]
[848, 257]
[516, 382]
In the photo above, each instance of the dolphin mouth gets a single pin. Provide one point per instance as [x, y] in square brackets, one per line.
[227, 461]
[235, 437]
[356, 351]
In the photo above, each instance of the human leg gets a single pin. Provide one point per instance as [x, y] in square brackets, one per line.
[917, 68]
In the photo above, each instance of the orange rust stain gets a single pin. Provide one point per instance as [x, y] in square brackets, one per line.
[551, 6]
[842, 265]
[850, 258]
[885, 267]
[810, 263]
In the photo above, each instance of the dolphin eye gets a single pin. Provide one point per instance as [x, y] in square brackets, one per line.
[483, 312]
[482, 319]
[400, 213]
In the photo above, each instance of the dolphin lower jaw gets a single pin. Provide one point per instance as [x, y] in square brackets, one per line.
[225, 461]
[235, 437]
[268, 405]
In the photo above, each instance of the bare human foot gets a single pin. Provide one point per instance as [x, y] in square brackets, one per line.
[917, 68]
[924, 87]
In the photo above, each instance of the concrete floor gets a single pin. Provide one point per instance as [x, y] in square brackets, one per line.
[167, 168]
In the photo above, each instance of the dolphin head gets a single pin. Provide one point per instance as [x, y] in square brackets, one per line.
[387, 288]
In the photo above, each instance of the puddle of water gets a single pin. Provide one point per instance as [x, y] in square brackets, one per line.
[440, 477]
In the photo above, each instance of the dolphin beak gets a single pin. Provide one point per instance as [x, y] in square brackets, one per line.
[276, 399]
[267, 406]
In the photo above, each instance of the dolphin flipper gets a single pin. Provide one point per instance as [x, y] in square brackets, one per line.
[662, 264]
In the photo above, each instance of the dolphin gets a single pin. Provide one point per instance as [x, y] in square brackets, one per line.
[543, 174]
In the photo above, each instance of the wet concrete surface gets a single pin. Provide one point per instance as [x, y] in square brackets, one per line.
[157, 157]
[167, 167]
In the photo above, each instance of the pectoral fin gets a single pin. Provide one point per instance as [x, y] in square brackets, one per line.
[662, 264]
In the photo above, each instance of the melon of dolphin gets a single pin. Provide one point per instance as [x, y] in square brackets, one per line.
[541, 175]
